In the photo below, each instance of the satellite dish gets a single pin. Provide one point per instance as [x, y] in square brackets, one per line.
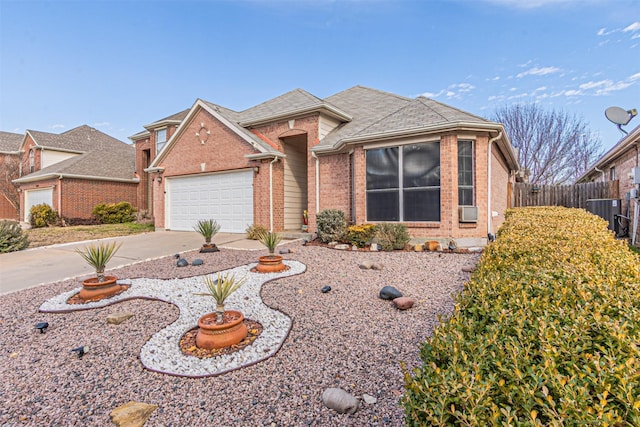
[618, 115]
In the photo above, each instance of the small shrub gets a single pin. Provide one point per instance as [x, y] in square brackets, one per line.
[12, 237]
[332, 225]
[360, 235]
[254, 231]
[42, 215]
[114, 213]
[392, 236]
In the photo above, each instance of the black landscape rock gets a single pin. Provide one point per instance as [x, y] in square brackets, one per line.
[390, 293]
[182, 262]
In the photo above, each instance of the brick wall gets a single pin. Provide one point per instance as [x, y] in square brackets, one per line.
[335, 188]
[79, 196]
[499, 188]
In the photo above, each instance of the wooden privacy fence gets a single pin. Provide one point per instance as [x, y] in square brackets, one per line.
[570, 196]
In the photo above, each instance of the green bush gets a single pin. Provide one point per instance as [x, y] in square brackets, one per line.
[545, 333]
[361, 235]
[12, 237]
[114, 213]
[332, 225]
[392, 236]
[254, 231]
[42, 215]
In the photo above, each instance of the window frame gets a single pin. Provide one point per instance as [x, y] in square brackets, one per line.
[158, 146]
[402, 189]
[466, 186]
[32, 160]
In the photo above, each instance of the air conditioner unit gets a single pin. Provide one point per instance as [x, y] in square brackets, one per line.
[468, 213]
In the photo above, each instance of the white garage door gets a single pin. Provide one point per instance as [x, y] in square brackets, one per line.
[225, 197]
[36, 197]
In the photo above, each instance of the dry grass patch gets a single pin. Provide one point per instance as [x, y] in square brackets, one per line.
[56, 235]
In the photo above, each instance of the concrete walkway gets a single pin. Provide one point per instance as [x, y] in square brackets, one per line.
[37, 266]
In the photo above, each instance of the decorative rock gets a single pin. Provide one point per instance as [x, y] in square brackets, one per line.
[376, 266]
[182, 262]
[325, 289]
[365, 265]
[332, 244]
[469, 268]
[452, 245]
[389, 293]
[418, 248]
[374, 247]
[340, 401]
[369, 399]
[354, 248]
[197, 262]
[403, 303]
[285, 251]
[433, 245]
[132, 414]
[342, 247]
[117, 318]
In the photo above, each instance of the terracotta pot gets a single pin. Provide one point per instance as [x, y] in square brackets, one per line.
[211, 335]
[93, 290]
[209, 247]
[270, 264]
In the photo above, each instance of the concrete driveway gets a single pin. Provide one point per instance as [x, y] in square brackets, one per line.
[33, 267]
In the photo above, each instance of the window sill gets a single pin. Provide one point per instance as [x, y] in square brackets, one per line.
[467, 225]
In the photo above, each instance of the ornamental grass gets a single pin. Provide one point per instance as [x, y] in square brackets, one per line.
[546, 333]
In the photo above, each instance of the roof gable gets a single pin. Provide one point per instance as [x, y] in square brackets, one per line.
[101, 156]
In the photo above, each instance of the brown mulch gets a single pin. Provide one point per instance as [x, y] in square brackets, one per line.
[407, 248]
[189, 348]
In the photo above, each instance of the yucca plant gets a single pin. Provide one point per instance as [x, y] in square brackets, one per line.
[220, 289]
[207, 228]
[99, 255]
[270, 240]
[12, 238]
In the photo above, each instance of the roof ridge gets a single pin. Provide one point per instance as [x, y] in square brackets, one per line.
[421, 98]
[395, 95]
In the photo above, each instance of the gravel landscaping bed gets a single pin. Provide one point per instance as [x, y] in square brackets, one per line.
[346, 338]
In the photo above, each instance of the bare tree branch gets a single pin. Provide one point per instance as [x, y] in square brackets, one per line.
[554, 146]
[10, 170]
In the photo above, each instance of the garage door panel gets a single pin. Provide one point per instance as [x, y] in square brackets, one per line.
[227, 198]
[37, 197]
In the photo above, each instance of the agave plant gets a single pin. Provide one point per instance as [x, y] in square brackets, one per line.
[220, 289]
[207, 228]
[270, 240]
[99, 255]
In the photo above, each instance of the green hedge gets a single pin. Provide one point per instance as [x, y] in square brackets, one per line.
[547, 331]
[114, 213]
[42, 215]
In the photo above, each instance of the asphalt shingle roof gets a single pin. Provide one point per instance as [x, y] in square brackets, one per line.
[102, 155]
[371, 111]
[10, 142]
[292, 101]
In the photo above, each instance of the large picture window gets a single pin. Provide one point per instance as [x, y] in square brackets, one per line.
[403, 183]
[465, 173]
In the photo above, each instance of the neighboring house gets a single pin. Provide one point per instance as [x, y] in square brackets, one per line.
[620, 163]
[377, 156]
[9, 170]
[74, 171]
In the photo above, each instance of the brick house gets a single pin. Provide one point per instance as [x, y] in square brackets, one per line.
[377, 156]
[74, 171]
[9, 169]
[621, 163]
